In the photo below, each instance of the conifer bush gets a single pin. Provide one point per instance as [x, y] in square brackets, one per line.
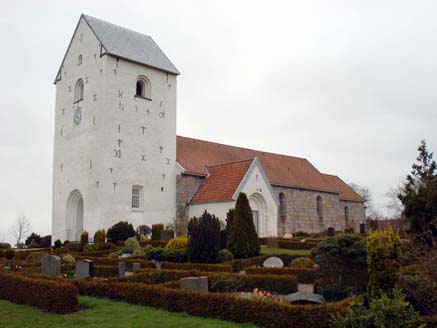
[120, 232]
[242, 240]
[99, 238]
[204, 238]
[84, 238]
[383, 261]
[156, 231]
[342, 262]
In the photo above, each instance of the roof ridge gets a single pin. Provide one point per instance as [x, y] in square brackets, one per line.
[257, 150]
[116, 25]
[235, 162]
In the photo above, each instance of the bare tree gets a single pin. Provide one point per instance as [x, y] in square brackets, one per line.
[20, 228]
[364, 192]
[394, 205]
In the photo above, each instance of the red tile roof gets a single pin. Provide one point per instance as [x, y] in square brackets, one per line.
[346, 192]
[222, 182]
[282, 170]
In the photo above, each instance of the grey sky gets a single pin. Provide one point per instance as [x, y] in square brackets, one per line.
[350, 85]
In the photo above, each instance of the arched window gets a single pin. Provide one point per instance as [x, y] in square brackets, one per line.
[346, 215]
[78, 91]
[79, 60]
[319, 204]
[143, 88]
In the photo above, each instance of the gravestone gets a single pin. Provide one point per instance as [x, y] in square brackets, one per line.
[305, 298]
[273, 262]
[331, 232]
[125, 255]
[198, 284]
[84, 269]
[51, 265]
[121, 269]
[362, 228]
[136, 267]
[288, 236]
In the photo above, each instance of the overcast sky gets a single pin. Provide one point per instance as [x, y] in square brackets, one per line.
[349, 85]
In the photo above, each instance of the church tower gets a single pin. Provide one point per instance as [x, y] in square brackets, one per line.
[115, 132]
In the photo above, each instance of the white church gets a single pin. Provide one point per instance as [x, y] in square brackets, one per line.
[117, 155]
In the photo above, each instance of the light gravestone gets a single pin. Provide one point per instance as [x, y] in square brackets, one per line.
[331, 232]
[198, 284]
[51, 265]
[84, 269]
[305, 298]
[136, 267]
[121, 269]
[273, 262]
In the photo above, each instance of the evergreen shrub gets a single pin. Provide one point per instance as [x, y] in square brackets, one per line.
[204, 239]
[120, 232]
[242, 238]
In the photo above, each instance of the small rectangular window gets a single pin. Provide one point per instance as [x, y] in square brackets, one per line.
[137, 197]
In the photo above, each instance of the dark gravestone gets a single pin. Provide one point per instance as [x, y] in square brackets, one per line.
[331, 232]
[51, 265]
[167, 234]
[198, 284]
[121, 269]
[136, 267]
[84, 269]
[362, 228]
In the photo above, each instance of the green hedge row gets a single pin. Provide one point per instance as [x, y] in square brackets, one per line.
[216, 305]
[303, 275]
[50, 295]
[114, 261]
[283, 284]
[197, 266]
[154, 243]
[297, 243]
[259, 260]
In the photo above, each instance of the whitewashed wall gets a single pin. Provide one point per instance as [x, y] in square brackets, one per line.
[110, 112]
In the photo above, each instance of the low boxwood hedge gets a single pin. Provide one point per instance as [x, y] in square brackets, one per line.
[259, 260]
[197, 266]
[282, 284]
[50, 295]
[215, 305]
[303, 275]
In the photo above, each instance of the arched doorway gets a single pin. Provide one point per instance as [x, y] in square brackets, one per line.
[74, 216]
[259, 213]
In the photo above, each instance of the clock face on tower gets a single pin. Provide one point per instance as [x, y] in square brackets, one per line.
[77, 116]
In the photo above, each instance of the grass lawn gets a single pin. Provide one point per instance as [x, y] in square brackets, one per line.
[268, 251]
[104, 313]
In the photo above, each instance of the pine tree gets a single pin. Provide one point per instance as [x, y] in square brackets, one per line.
[242, 239]
[419, 194]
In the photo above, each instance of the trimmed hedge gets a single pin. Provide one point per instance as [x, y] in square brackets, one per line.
[259, 260]
[303, 275]
[295, 243]
[197, 266]
[216, 305]
[47, 294]
[283, 284]
[154, 243]
[114, 261]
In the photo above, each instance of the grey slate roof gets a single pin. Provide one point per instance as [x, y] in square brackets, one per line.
[121, 42]
[130, 45]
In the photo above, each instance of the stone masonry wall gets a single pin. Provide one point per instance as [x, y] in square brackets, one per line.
[301, 211]
[186, 186]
